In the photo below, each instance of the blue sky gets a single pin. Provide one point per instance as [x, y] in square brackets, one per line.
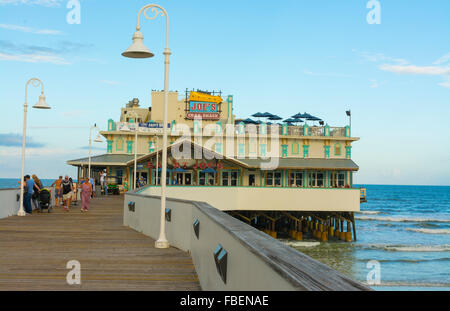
[316, 56]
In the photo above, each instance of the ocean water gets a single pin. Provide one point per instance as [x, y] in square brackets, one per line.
[406, 229]
[6, 183]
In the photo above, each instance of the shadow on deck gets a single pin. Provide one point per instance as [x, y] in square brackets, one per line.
[35, 251]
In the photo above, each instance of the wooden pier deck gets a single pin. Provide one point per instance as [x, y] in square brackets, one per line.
[34, 251]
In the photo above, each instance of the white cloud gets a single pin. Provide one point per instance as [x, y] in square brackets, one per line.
[444, 59]
[35, 58]
[445, 84]
[31, 30]
[374, 84]
[379, 57]
[416, 70]
[17, 151]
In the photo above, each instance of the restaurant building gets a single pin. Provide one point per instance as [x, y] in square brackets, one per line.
[250, 168]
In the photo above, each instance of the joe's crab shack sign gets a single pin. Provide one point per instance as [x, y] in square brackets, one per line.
[203, 106]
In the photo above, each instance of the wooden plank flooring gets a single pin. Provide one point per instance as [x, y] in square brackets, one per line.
[34, 251]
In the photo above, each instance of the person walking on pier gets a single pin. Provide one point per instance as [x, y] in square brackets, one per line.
[86, 191]
[36, 190]
[58, 191]
[67, 189]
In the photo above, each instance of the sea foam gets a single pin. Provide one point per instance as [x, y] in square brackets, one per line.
[402, 219]
[430, 231]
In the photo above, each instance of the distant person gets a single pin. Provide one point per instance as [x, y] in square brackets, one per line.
[67, 189]
[141, 182]
[29, 193]
[125, 185]
[92, 182]
[86, 191]
[73, 198]
[103, 183]
[36, 189]
[58, 191]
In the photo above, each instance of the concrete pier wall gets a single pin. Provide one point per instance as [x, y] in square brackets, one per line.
[254, 260]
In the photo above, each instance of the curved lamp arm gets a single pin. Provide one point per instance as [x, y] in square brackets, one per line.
[36, 83]
[156, 10]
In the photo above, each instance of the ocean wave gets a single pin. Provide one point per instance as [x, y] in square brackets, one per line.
[402, 219]
[408, 260]
[430, 231]
[409, 248]
[302, 244]
[368, 212]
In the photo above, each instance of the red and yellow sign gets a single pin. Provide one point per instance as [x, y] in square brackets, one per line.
[203, 106]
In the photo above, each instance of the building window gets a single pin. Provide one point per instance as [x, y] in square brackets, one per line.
[230, 178]
[327, 152]
[306, 151]
[174, 127]
[338, 179]
[119, 144]
[109, 146]
[348, 152]
[218, 147]
[284, 129]
[295, 148]
[207, 179]
[273, 179]
[284, 151]
[316, 180]
[263, 129]
[241, 128]
[296, 179]
[219, 127]
[262, 150]
[337, 149]
[196, 127]
[129, 146]
[241, 151]
[151, 147]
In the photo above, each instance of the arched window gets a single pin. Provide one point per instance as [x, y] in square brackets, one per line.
[337, 149]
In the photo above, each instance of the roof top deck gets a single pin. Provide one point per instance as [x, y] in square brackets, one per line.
[36, 249]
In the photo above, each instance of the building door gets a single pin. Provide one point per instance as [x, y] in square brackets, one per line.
[251, 180]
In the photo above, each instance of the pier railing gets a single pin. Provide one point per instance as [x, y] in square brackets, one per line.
[229, 254]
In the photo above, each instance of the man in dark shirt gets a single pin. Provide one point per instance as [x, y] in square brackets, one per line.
[67, 188]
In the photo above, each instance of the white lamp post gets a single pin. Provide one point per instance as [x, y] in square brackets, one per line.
[97, 140]
[40, 105]
[157, 158]
[139, 50]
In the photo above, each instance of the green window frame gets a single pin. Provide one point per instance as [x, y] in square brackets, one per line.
[306, 151]
[337, 149]
[119, 144]
[109, 146]
[327, 151]
[348, 152]
[151, 146]
[284, 151]
[130, 146]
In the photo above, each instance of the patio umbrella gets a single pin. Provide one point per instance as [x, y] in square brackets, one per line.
[209, 170]
[267, 115]
[258, 115]
[275, 118]
[249, 121]
[179, 170]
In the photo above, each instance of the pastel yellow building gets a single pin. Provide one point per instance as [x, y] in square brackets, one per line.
[233, 164]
